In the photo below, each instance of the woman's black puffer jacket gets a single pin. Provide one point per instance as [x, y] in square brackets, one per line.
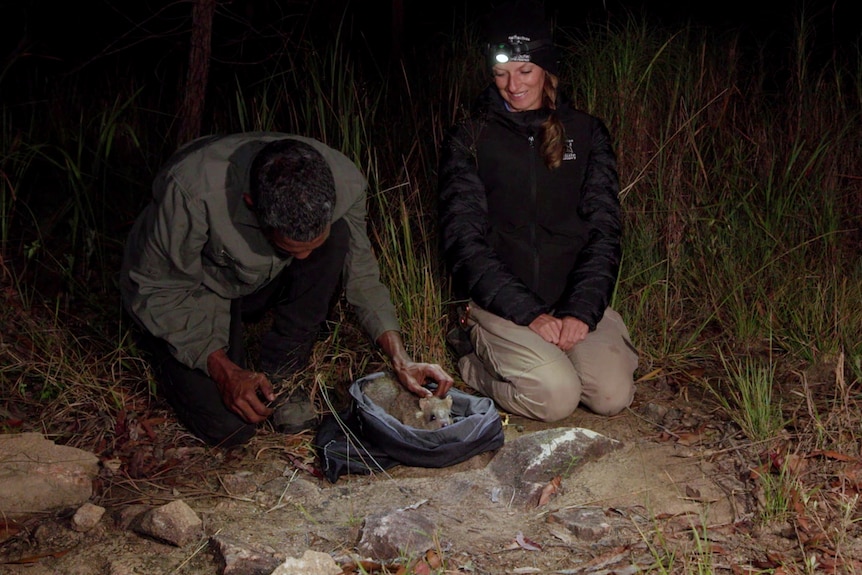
[521, 239]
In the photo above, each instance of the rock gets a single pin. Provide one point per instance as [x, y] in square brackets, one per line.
[282, 489]
[129, 516]
[588, 524]
[175, 523]
[396, 534]
[238, 559]
[86, 517]
[37, 475]
[51, 537]
[527, 463]
[241, 483]
[311, 563]
[653, 412]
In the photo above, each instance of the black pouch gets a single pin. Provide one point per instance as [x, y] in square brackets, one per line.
[342, 450]
[364, 438]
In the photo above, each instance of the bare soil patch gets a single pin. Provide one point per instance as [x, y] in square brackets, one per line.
[679, 469]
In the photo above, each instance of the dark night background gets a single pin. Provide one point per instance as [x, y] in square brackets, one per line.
[111, 49]
[76, 33]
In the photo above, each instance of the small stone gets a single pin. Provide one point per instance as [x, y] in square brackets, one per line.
[311, 563]
[174, 522]
[239, 559]
[585, 524]
[392, 535]
[128, 516]
[241, 483]
[86, 517]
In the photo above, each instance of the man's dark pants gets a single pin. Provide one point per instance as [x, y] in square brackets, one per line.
[301, 297]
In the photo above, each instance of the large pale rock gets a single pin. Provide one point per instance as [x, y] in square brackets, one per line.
[38, 475]
[528, 463]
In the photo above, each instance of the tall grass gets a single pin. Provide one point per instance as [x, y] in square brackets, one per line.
[750, 397]
[735, 202]
[407, 262]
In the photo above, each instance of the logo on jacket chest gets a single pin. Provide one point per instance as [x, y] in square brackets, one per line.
[569, 151]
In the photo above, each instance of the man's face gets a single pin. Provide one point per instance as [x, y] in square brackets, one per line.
[294, 248]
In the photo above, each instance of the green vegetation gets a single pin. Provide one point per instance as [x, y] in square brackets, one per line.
[741, 194]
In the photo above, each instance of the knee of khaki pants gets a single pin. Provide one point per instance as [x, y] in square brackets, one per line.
[606, 361]
[612, 397]
[551, 391]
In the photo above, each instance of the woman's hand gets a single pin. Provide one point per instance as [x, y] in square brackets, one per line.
[565, 333]
[547, 327]
[574, 331]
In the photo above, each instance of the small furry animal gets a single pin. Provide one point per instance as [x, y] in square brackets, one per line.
[422, 413]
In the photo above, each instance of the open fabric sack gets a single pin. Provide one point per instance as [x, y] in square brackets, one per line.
[364, 438]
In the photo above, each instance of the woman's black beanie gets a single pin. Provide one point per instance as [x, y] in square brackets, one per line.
[524, 18]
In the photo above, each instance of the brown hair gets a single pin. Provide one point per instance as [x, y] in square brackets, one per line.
[552, 129]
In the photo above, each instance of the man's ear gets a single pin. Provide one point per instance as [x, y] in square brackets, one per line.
[248, 201]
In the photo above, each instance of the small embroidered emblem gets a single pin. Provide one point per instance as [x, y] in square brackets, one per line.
[569, 153]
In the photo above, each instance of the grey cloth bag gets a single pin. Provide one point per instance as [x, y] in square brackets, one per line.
[476, 428]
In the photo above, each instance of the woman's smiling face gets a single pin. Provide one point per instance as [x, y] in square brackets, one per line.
[521, 84]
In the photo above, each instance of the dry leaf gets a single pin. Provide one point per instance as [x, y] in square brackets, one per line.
[832, 455]
[689, 438]
[420, 568]
[525, 543]
[549, 490]
[650, 375]
[795, 464]
[696, 373]
[433, 559]
[36, 558]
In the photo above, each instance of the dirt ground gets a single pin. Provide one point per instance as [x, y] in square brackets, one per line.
[678, 470]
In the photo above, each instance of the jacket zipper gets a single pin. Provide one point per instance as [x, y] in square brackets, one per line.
[533, 202]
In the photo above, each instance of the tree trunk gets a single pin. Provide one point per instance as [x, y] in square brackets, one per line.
[200, 48]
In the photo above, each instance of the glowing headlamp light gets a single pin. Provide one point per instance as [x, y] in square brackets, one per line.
[517, 49]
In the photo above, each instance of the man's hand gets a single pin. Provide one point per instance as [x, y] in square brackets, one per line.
[241, 390]
[413, 375]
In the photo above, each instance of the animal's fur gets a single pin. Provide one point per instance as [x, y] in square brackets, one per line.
[423, 413]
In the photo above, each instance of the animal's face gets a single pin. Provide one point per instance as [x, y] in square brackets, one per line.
[435, 412]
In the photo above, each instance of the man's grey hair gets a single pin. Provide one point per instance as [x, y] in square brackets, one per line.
[292, 189]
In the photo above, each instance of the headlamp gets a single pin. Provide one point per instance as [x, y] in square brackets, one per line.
[517, 49]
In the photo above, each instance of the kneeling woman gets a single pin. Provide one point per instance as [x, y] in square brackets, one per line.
[530, 221]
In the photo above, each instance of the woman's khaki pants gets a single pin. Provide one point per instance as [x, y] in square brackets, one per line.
[525, 375]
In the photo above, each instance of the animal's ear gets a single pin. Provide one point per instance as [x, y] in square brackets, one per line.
[423, 403]
[448, 401]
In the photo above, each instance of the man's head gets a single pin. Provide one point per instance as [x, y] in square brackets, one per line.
[292, 191]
